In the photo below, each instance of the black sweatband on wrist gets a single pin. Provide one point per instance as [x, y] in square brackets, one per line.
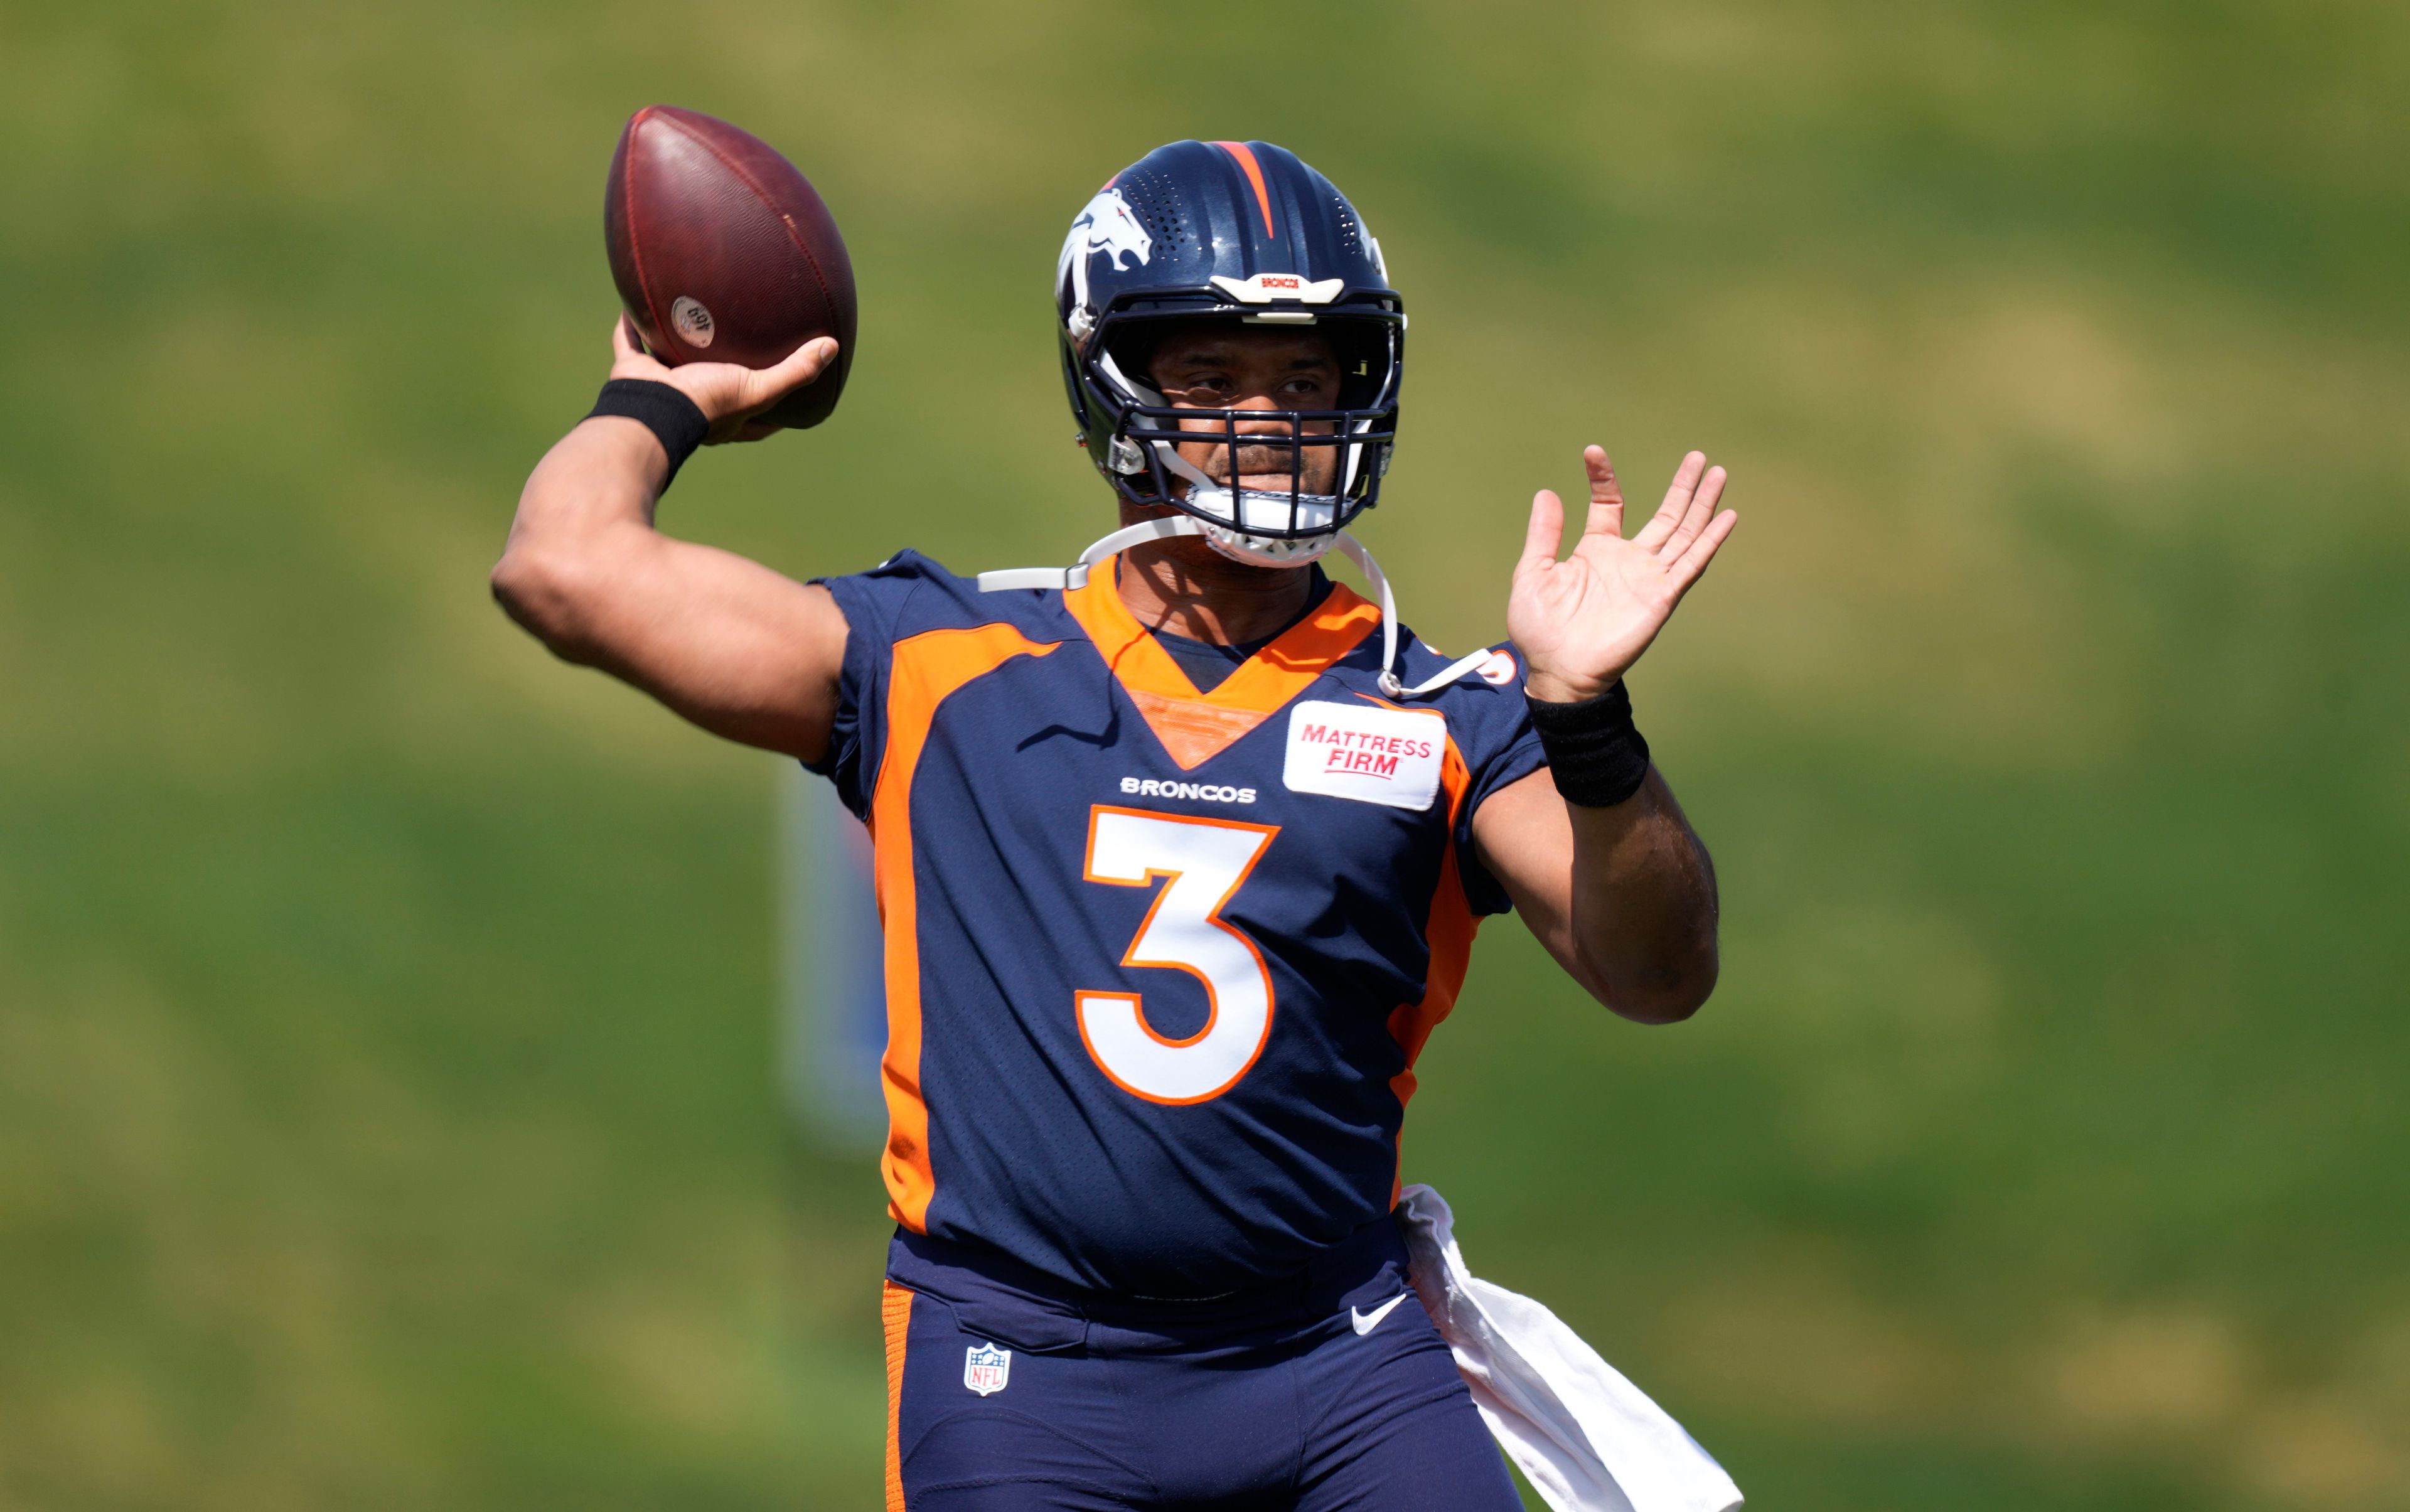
[1596, 756]
[672, 417]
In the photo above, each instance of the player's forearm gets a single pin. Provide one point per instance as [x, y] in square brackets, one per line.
[1643, 911]
[737, 648]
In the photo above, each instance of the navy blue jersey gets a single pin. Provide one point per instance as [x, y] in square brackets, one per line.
[1158, 962]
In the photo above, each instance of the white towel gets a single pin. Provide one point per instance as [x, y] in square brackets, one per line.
[1587, 1439]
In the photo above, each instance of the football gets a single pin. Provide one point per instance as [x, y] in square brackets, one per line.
[723, 252]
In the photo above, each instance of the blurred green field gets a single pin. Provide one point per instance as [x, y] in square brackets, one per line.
[386, 1112]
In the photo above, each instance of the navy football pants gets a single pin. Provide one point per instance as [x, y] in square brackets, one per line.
[1009, 1395]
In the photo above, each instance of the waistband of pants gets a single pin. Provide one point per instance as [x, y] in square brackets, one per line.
[1015, 1303]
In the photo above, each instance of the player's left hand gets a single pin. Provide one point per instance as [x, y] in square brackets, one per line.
[1582, 622]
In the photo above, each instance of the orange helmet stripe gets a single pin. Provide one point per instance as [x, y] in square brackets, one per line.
[1254, 176]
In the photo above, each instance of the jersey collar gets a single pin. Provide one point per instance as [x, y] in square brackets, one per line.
[1192, 726]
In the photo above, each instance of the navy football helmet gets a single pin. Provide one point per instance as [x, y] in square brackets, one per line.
[1241, 232]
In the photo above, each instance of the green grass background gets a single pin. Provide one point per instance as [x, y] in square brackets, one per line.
[386, 1113]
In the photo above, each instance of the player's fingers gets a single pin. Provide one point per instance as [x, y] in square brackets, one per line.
[1678, 494]
[1606, 495]
[1544, 534]
[1678, 499]
[1701, 509]
[1702, 551]
[629, 357]
[760, 388]
[801, 366]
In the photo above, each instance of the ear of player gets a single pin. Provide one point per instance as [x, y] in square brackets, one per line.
[1243, 232]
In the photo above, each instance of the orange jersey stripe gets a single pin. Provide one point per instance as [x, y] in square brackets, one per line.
[1246, 156]
[1448, 933]
[928, 669]
[896, 1322]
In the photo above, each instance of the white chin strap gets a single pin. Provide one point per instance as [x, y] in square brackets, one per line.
[1065, 579]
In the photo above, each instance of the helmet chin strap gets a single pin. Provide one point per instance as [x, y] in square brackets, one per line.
[1076, 576]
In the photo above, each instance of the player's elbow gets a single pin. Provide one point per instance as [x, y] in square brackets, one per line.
[1668, 1001]
[1659, 992]
[546, 586]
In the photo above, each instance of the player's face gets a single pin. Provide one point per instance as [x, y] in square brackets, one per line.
[1253, 367]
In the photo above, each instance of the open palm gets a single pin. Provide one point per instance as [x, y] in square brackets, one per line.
[1583, 622]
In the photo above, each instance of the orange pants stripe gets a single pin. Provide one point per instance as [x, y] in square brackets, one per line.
[895, 1317]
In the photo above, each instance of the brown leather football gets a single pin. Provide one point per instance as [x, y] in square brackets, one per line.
[723, 252]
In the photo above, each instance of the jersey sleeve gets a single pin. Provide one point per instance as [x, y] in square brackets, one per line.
[1500, 747]
[878, 607]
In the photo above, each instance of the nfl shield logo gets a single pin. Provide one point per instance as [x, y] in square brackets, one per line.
[986, 1368]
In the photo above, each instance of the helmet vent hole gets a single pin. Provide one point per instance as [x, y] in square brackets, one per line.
[1155, 200]
[1351, 237]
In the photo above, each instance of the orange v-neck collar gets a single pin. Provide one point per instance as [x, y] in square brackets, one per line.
[1194, 727]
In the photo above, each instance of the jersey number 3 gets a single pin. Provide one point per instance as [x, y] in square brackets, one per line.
[1204, 862]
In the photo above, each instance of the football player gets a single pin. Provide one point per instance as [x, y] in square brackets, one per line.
[1179, 853]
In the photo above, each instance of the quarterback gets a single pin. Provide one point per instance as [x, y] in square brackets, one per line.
[1179, 851]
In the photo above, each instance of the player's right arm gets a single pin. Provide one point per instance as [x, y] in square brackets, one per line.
[741, 651]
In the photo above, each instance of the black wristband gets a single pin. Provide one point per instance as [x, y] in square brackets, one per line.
[659, 408]
[1596, 756]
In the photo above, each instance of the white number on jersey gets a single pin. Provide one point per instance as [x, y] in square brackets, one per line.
[1203, 860]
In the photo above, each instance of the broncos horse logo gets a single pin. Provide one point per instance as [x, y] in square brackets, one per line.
[1105, 225]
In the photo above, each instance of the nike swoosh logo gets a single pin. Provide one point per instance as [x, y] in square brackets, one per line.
[1366, 1322]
